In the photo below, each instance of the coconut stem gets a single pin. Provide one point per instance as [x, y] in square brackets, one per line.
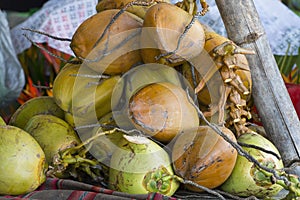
[91, 139]
[42, 87]
[50, 53]
[91, 76]
[259, 148]
[48, 35]
[78, 159]
[75, 148]
[185, 182]
[191, 7]
[205, 8]
[128, 132]
[73, 159]
[236, 197]
[293, 186]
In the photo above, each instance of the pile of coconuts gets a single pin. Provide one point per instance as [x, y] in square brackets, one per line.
[124, 115]
[34, 134]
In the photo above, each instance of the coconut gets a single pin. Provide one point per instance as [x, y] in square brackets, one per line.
[140, 166]
[135, 79]
[35, 106]
[63, 85]
[91, 99]
[52, 133]
[23, 165]
[163, 26]
[139, 10]
[246, 179]
[162, 110]
[2, 122]
[108, 46]
[83, 94]
[204, 157]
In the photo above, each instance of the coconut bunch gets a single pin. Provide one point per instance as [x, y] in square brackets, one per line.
[170, 69]
[34, 134]
[154, 102]
[52, 146]
[117, 39]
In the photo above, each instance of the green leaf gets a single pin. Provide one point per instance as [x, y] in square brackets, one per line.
[288, 63]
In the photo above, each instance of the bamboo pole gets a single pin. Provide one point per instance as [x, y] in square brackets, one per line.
[270, 95]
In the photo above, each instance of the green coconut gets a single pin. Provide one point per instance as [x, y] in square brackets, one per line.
[52, 133]
[35, 106]
[23, 165]
[63, 85]
[2, 122]
[140, 166]
[246, 179]
[91, 99]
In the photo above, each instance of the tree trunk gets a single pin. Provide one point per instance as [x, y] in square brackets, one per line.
[270, 95]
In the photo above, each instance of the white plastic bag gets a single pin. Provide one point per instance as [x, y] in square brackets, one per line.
[12, 77]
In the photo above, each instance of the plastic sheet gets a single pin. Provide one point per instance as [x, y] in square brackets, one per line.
[12, 78]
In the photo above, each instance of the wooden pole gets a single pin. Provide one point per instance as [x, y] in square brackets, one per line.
[270, 95]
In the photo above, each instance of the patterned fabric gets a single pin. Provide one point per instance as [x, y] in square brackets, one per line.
[63, 189]
[281, 25]
[57, 18]
[61, 18]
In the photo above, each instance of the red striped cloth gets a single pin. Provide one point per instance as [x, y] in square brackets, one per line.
[64, 189]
